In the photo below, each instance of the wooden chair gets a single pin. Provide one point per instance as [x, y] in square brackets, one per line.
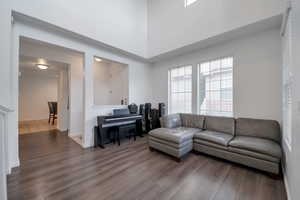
[52, 112]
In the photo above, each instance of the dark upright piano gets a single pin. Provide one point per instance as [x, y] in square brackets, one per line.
[120, 117]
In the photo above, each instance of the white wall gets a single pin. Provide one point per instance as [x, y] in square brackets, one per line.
[256, 76]
[5, 81]
[133, 25]
[119, 83]
[119, 23]
[110, 83]
[171, 25]
[35, 91]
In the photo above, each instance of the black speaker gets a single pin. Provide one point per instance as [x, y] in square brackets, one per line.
[161, 109]
[147, 109]
[142, 112]
[133, 109]
[148, 117]
[155, 119]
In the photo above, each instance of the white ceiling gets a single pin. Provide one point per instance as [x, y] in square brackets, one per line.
[33, 52]
[28, 64]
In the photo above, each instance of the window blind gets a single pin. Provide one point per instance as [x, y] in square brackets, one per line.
[215, 95]
[180, 90]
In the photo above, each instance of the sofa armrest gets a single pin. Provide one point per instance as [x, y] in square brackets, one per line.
[170, 121]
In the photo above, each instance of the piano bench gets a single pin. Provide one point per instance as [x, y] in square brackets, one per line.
[129, 129]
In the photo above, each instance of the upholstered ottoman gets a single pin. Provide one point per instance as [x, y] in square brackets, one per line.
[173, 141]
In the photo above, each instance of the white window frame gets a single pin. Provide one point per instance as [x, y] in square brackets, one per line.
[170, 87]
[198, 82]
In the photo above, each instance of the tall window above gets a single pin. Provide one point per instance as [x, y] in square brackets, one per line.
[215, 87]
[180, 90]
[189, 2]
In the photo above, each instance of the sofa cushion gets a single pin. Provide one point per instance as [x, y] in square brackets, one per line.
[177, 152]
[214, 137]
[192, 120]
[272, 167]
[170, 121]
[168, 143]
[254, 154]
[210, 144]
[176, 135]
[267, 129]
[258, 145]
[220, 124]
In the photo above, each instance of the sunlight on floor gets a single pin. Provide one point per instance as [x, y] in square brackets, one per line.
[33, 126]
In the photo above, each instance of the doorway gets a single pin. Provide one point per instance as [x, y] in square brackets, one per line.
[50, 96]
[43, 95]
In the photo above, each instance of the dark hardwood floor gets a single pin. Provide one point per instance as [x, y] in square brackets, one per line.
[54, 167]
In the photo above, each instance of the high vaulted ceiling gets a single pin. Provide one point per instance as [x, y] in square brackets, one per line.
[149, 28]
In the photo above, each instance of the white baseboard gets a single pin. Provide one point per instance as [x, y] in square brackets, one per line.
[62, 130]
[87, 146]
[77, 140]
[8, 171]
[13, 165]
[16, 163]
[74, 134]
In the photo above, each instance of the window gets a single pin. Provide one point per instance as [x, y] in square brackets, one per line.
[189, 2]
[180, 90]
[215, 87]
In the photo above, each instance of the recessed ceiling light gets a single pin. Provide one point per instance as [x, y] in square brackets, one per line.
[98, 59]
[42, 66]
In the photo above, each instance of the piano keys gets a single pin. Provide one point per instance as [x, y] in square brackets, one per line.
[119, 118]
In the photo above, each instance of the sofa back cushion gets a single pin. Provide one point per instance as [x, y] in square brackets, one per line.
[170, 121]
[267, 129]
[192, 120]
[220, 124]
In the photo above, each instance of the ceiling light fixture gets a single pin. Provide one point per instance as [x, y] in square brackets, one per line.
[98, 59]
[42, 66]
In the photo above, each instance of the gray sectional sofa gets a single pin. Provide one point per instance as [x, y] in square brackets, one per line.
[251, 142]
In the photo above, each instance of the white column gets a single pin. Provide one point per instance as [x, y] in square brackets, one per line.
[4, 166]
[63, 95]
[5, 23]
[13, 118]
[3, 190]
[88, 100]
